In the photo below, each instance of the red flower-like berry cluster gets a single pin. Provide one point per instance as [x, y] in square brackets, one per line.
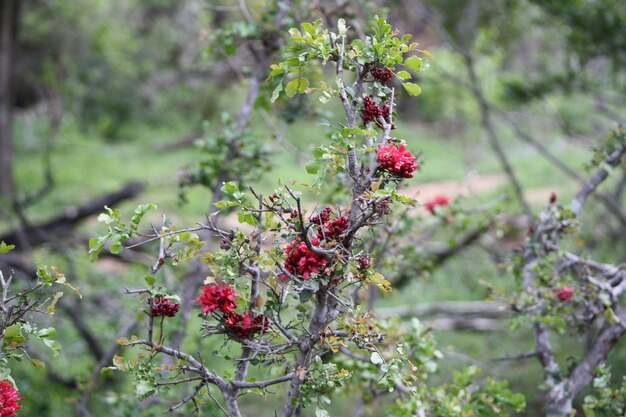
[9, 399]
[397, 160]
[162, 307]
[245, 326]
[301, 261]
[219, 299]
[382, 74]
[323, 217]
[565, 294]
[440, 200]
[333, 228]
[371, 111]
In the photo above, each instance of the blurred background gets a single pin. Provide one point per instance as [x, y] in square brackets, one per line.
[122, 102]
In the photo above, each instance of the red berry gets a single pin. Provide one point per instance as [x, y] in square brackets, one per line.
[9, 399]
[323, 217]
[382, 74]
[565, 294]
[163, 307]
[364, 262]
[370, 110]
[303, 262]
[245, 326]
[397, 160]
[333, 229]
[440, 200]
[552, 198]
[217, 296]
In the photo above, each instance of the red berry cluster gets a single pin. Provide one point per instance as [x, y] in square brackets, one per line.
[382, 74]
[397, 160]
[323, 217]
[162, 307]
[371, 111]
[245, 326]
[440, 200]
[565, 294]
[364, 262]
[301, 261]
[9, 398]
[217, 297]
[333, 228]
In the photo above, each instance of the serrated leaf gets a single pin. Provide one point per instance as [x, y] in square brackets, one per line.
[413, 89]
[413, 63]
[403, 75]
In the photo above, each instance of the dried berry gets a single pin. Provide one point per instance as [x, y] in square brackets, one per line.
[364, 263]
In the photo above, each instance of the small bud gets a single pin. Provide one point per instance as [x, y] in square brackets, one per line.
[552, 198]
[565, 294]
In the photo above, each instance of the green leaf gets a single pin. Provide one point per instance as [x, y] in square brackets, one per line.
[48, 332]
[296, 86]
[150, 280]
[305, 295]
[313, 167]
[144, 388]
[276, 92]
[230, 188]
[54, 346]
[376, 358]
[403, 75]
[412, 89]
[116, 248]
[320, 412]
[96, 245]
[413, 63]
[37, 363]
[12, 331]
[341, 25]
[4, 248]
